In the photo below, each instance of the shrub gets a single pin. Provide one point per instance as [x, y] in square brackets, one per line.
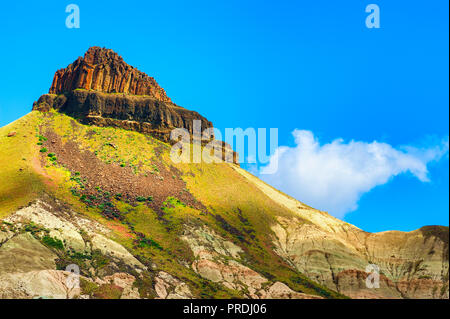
[43, 150]
[148, 242]
[80, 256]
[99, 259]
[87, 287]
[108, 291]
[52, 242]
[33, 228]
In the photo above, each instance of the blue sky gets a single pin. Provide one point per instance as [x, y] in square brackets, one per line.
[305, 65]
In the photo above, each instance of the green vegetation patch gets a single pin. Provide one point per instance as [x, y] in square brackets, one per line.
[52, 242]
[108, 291]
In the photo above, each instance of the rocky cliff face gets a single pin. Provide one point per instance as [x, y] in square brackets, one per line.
[142, 114]
[103, 90]
[104, 70]
[411, 265]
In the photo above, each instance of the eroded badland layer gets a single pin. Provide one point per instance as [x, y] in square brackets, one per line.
[87, 180]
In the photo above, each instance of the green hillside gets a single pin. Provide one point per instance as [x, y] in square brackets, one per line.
[126, 181]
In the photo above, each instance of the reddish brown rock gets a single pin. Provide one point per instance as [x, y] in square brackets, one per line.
[104, 70]
[141, 106]
[11, 134]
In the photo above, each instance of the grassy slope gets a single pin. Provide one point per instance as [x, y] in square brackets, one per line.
[19, 180]
[237, 211]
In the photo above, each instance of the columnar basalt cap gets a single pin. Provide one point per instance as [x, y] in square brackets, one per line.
[104, 70]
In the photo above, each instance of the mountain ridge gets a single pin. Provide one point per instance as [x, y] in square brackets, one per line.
[79, 189]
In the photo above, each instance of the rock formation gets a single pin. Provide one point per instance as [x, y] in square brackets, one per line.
[101, 89]
[104, 70]
[142, 114]
[334, 253]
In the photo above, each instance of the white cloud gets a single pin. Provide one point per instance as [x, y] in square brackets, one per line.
[334, 176]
